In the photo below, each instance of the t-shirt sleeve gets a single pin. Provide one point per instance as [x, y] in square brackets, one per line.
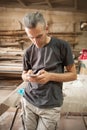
[26, 63]
[67, 55]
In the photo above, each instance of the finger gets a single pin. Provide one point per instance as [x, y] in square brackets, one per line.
[41, 71]
[30, 71]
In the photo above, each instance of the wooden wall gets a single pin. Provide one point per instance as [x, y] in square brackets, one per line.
[64, 25]
[10, 19]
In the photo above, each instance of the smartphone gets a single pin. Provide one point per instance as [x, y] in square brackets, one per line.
[32, 75]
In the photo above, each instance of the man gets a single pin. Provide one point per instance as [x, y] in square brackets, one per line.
[43, 69]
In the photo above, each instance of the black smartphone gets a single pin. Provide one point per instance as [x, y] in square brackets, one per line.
[32, 75]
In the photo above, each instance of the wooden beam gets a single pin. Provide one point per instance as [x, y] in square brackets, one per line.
[12, 32]
[75, 4]
[37, 3]
[57, 1]
[49, 3]
[10, 75]
[3, 108]
[12, 99]
[21, 2]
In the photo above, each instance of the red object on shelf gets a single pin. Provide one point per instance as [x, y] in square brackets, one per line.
[83, 56]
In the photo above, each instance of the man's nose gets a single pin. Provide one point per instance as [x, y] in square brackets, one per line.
[35, 40]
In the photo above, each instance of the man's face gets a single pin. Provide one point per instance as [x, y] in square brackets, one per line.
[37, 35]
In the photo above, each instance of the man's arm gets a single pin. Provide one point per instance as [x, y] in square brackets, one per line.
[67, 76]
[44, 76]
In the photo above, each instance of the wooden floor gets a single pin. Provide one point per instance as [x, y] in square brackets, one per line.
[75, 101]
[66, 122]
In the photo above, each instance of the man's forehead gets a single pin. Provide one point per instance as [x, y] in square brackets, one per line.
[37, 30]
[34, 32]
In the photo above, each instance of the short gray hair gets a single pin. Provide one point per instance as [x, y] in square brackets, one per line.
[32, 19]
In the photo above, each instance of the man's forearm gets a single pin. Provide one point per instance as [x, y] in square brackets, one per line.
[63, 77]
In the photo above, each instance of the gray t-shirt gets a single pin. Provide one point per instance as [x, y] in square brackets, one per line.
[52, 57]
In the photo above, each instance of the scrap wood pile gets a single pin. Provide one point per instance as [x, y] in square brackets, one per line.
[12, 45]
[13, 38]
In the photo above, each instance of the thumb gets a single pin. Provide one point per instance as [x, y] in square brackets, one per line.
[30, 71]
[41, 71]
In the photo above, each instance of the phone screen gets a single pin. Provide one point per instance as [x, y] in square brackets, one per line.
[32, 75]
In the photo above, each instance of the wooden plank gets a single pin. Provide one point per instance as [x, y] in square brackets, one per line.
[9, 53]
[8, 75]
[12, 99]
[9, 58]
[6, 44]
[3, 108]
[12, 33]
[10, 64]
[13, 70]
[9, 67]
